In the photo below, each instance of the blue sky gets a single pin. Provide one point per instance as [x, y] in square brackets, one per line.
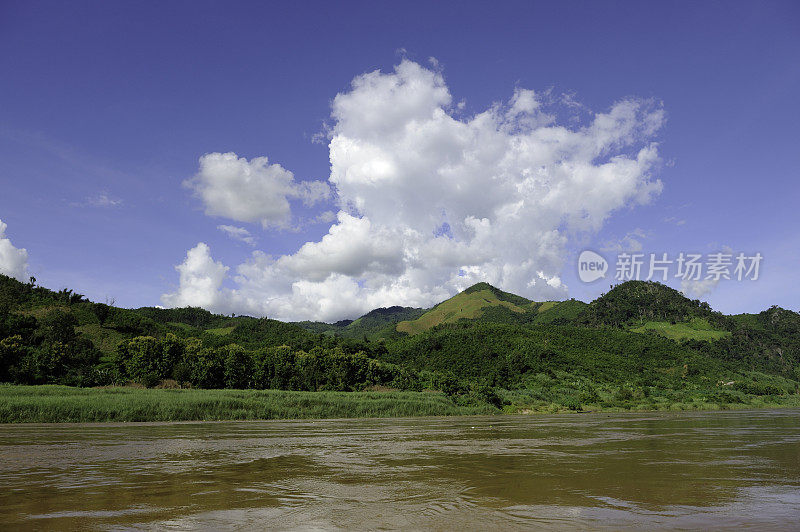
[108, 106]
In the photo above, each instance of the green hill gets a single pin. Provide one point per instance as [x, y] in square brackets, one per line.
[480, 303]
[641, 345]
[378, 320]
[377, 323]
[483, 303]
[635, 302]
[468, 305]
[653, 307]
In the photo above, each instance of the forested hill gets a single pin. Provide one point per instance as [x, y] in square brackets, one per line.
[637, 301]
[639, 344]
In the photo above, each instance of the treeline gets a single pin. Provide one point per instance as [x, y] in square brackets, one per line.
[192, 316]
[150, 361]
[507, 355]
[13, 292]
[45, 351]
[767, 342]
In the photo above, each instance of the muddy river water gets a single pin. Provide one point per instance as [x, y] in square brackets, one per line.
[710, 470]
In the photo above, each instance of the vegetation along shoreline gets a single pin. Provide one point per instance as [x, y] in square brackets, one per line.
[642, 346]
[63, 404]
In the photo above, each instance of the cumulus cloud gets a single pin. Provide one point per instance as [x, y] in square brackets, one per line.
[200, 279]
[251, 191]
[238, 233]
[13, 261]
[432, 202]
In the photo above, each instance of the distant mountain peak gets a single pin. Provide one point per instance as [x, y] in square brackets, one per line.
[478, 287]
[469, 305]
[500, 294]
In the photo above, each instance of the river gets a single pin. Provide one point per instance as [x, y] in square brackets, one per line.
[709, 470]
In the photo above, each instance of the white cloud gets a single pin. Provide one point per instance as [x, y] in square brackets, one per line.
[511, 185]
[238, 233]
[251, 191]
[13, 261]
[702, 287]
[699, 288]
[102, 199]
[352, 248]
[630, 243]
[200, 281]
[325, 217]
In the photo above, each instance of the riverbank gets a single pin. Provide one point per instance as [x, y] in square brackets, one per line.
[611, 399]
[64, 404]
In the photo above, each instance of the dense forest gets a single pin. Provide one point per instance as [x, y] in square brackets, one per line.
[641, 344]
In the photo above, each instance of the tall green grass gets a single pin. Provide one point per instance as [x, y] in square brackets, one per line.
[62, 404]
[566, 392]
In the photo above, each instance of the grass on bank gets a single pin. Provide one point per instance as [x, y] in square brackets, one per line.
[571, 393]
[64, 404]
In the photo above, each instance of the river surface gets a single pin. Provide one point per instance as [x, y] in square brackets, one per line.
[715, 470]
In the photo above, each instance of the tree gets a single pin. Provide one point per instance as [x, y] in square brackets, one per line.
[59, 326]
[140, 360]
[238, 367]
[101, 310]
[208, 368]
[12, 350]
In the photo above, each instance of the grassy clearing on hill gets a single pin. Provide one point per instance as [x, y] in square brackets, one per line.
[221, 331]
[696, 329]
[547, 305]
[64, 404]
